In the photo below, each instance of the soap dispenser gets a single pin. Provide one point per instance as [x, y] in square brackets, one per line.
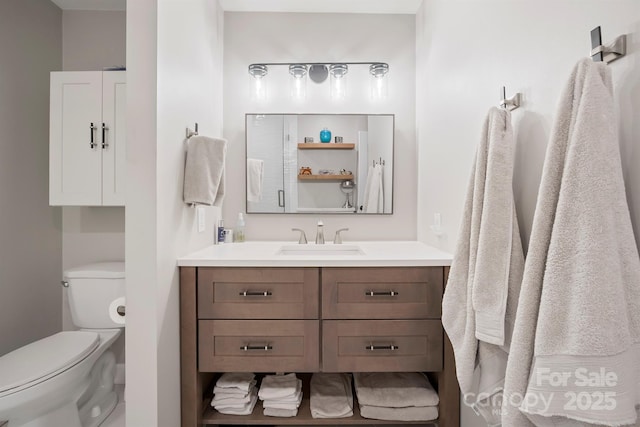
[238, 232]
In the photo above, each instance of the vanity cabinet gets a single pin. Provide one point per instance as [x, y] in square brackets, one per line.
[87, 138]
[311, 319]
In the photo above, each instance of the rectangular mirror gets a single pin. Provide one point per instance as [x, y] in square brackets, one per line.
[294, 166]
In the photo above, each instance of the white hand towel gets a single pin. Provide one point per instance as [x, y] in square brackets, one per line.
[240, 380]
[233, 391]
[373, 193]
[204, 171]
[226, 399]
[394, 389]
[255, 175]
[414, 413]
[294, 398]
[283, 404]
[331, 396]
[486, 273]
[284, 413]
[576, 342]
[247, 409]
[278, 386]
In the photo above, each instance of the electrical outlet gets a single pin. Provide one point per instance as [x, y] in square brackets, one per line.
[202, 217]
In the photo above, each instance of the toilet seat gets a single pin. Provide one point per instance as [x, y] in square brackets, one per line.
[43, 359]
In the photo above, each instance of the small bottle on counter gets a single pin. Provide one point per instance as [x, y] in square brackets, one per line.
[220, 230]
[238, 232]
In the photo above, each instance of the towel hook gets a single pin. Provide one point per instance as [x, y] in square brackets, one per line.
[610, 52]
[510, 103]
[191, 133]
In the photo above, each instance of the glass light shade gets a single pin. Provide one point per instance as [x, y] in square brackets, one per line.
[338, 81]
[298, 81]
[379, 80]
[257, 82]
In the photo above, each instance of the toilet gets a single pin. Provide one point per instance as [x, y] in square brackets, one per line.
[66, 379]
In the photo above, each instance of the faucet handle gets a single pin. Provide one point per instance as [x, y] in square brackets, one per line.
[338, 239]
[303, 237]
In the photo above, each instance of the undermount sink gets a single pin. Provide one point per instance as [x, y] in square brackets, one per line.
[320, 250]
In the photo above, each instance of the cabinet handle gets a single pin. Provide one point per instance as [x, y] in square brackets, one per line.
[382, 293]
[281, 198]
[255, 294]
[104, 137]
[256, 347]
[92, 129]
[382, 347]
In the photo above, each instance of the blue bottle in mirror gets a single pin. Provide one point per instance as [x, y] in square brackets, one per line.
[325, 135]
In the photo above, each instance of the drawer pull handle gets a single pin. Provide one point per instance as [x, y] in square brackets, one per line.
[382, 347]
[255, 294]
[382, 293]
[256, 347]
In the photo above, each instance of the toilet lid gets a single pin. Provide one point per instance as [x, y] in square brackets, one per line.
[45, 358]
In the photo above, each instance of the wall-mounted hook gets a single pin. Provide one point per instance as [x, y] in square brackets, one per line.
[610, 52]
[511, 103]
[191, 133]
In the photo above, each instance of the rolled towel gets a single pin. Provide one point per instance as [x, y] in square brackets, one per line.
[331, 396]
[278, 386]
[273, 412]
[415, 413]
[247, 409]
[394, 389]
[240, 380]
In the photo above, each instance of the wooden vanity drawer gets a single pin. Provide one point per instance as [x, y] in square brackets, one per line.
[258, 345]
[381, 345]
[382, 293]
[258, 293]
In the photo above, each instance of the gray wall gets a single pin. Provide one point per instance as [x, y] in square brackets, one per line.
[30, 230]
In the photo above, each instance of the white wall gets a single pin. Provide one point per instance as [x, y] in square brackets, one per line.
[290, 37]
[174, 54]
[467, 50]
[30, 230]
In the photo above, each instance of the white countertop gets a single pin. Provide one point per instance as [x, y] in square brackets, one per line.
[266, 254]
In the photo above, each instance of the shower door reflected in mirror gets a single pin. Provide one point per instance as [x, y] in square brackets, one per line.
[286, 173]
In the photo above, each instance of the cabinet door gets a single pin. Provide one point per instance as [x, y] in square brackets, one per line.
[113, 137]
[75, 153]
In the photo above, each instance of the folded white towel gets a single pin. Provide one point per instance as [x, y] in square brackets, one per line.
[284, 413]
[394, 389]
[414, 413]
[576, 342]
[481, 296]
[240, 380]
[227, 399]
[331, 396]
[255, 175]
[204, 171]
[247, 409]
[277, 404]
[233, 391]
[278, 386]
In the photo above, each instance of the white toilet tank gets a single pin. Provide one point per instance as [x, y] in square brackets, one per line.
[92, 291]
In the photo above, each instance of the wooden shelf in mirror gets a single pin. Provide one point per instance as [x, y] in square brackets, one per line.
[326, 146]
[325, 177]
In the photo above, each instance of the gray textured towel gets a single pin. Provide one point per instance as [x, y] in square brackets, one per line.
[414, 413]
[394, 389]
[481, 296]
[331, 396]
[204, 171]
[575, 349]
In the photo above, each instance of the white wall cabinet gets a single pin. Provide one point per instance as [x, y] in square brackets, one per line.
[87, 138]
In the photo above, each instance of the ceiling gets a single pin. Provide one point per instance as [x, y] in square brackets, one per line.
[309, 6]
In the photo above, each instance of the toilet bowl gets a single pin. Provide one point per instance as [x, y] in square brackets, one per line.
[66, 379]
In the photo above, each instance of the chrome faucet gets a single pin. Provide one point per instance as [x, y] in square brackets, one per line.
[320, 234]
[303, 237]
[338, 239]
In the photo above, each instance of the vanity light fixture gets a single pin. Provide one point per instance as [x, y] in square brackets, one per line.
[318, 73]
[298, 81]
[379, 84]
[338, 80]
